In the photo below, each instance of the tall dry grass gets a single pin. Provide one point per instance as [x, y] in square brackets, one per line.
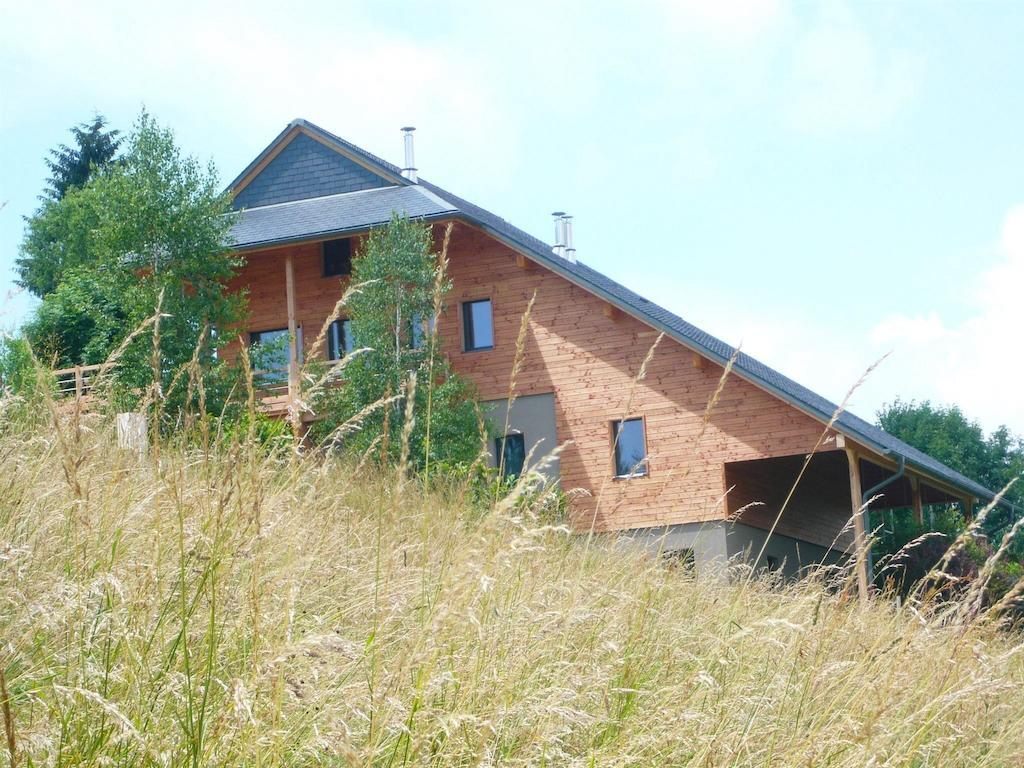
[237, 606]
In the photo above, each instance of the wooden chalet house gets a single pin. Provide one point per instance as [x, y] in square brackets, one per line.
[674, 477]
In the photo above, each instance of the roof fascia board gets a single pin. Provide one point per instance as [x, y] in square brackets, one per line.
[886, 461]
[272, 150]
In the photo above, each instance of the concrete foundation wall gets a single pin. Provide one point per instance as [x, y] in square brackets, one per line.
[716, 545]
[791, 555]
[707, 542]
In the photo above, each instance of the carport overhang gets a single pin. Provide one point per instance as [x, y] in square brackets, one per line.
[836, 487]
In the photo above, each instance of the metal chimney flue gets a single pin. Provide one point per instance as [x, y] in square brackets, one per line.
[409, 171]
[559, 247]
[570, 249]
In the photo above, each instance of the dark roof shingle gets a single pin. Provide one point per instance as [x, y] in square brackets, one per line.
[332, 215]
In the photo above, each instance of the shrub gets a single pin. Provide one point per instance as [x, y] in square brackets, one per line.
[399, 284]
[145, 232]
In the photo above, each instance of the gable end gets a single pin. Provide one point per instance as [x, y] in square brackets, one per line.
[302, 169]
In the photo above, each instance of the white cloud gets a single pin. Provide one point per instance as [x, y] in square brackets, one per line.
[976, 362]
[966, 355]
[253, 67]
[841, 78]
[728, 23]
[920, 329]
[819, 64]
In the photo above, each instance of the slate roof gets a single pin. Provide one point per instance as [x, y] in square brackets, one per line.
[358, 210]
[333, 215]
[306, 168]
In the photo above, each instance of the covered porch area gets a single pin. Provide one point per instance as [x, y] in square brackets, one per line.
[822, 512]
[290, 298]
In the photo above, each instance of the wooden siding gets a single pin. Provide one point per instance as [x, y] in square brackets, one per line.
[818, 510]
[589, 358]
[263, 277]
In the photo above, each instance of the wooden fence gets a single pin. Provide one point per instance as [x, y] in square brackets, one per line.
[77, 381]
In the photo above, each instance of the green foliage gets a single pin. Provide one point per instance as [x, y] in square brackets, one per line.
[475, 482]
[265, 431]
[16, 364]
[547, 504]
[81, 320]
[25, 386]
[72, 166]
[152, 225]
[395, 273]
[949, 436]
[58, 236]
[396, 278]
[894, 528]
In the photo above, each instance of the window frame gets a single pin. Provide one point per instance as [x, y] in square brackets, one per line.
[421, 330]
[252, 334]
[681, 558]
[287, 348]
[467, 324]
[340, 324]
[499, 453]
[298, 338]
[613, 435]
[323, 258]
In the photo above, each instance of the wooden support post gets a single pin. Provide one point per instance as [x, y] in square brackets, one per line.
[78, 382]
[293, 338]
[860, 537]
[967, 503]
[915, 500]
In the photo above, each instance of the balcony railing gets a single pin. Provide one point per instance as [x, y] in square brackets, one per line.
[271, 383]
[273, 391]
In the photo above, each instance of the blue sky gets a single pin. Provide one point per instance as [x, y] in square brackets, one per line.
[821, 182]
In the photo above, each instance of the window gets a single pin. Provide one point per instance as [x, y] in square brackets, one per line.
[772, 563]
[630, 445]
[270, 351]
[339, 339]
[477, 325]
[421, 331]
[337, 257]
[510, 453]
[680, 558]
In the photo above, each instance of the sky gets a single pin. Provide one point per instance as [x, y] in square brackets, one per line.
[822, 183]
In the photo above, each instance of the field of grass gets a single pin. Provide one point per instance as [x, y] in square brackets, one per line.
[245, 607]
